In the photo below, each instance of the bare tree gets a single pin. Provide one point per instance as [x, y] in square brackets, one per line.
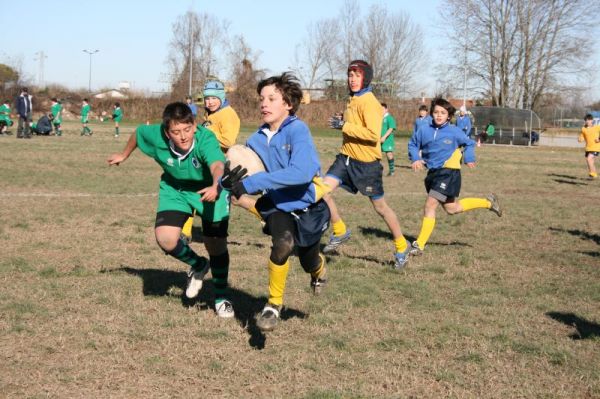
[520, 50]
[197, 41]
[244, 77]
[318, 51]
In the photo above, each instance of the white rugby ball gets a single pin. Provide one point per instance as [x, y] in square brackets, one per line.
[239, 154]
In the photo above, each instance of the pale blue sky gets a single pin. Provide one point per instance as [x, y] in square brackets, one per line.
[133, 35]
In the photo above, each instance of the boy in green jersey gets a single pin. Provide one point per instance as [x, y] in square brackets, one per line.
[5, 121]
[117, 116]
[192, 161]
[85, 111]
[387, 138]
[56, 111]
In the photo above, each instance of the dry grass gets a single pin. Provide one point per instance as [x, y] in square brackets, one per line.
[498, 308]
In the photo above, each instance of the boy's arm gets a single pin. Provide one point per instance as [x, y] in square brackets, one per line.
[116, 159]
[414, 147]
[386, 135]
[469, 152]
[211, 193]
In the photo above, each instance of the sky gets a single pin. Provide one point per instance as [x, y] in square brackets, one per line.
[132, 36]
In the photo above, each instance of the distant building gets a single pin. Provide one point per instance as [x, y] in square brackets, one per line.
[111, 94]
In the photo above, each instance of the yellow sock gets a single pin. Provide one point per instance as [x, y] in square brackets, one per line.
[400, 244]
[255, 212]
[320, 272]
[187, 227]
[593, 174]
[339, 228]
[426, 230]
[277, 278]
[474, 203]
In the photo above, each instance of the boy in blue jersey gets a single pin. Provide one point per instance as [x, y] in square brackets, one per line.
[424, 119]
[291, 204]
[193, 164]
[463, 122]
[437, 147]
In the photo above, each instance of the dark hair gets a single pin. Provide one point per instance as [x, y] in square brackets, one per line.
[423, 107]
[54, 99]
[118, 104]
[588, 117]
[86, 100]
[441, 102]
[24, 89]
[289, 87]
[384, 105]
[177, 112]
[365, 68]
[6, 102]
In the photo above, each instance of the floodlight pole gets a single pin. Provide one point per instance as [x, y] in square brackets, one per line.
[191, 62]
[90, 52]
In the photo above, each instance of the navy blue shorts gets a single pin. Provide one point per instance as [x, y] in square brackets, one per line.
[356, 176]
[594, 153]
[443, 184]
[310, 223]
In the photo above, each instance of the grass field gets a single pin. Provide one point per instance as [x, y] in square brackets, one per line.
[495, 308]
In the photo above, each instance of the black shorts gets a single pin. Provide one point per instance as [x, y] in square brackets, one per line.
[594, 153]
[443, 184]
[310, 223]
[178, 219]
[356, 176]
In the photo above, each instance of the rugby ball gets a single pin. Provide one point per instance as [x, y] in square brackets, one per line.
[239, 154]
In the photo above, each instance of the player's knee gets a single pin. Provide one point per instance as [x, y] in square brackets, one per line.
[282, 249]
[166, 242]
[380, 207]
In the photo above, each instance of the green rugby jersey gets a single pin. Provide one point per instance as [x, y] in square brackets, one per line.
[117, 114]
[85, 110]
[191, 172]
[56, 110]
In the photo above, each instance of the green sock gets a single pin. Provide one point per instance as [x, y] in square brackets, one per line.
[116, 131]
[391, 165]
[184, 253]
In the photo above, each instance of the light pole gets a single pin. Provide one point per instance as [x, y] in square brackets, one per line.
[90, 52]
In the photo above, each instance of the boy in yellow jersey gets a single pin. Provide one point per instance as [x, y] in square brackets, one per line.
[221, 119]
[437, 147]
[357, 168]
[591, 135]
[291, 204]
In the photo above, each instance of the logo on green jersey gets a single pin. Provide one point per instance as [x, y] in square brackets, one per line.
[170, 161]
[195, 162]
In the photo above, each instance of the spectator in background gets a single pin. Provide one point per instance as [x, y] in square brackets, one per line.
[24, 108]
[43, 127]
[387, 138]
[463, 122]
[489, 131]
[193, 107]
[424, 119]
[85, 111]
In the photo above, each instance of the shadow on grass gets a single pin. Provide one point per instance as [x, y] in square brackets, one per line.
[584, 235]
[157, 282]
[563, 176]
[573, 183]
[584, 329]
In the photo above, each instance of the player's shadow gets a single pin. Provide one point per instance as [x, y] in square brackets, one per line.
[373, 231]
[157, 282]
[563, 176]
[584, 235]
[584, 329]
[573, 183]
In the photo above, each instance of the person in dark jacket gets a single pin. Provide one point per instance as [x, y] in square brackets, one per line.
[24, 107]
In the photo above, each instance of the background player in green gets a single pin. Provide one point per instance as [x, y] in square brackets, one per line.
[387, 138]
[56, 111]
[5, 121]
[85, 111]
[192, 161]
[117, 116]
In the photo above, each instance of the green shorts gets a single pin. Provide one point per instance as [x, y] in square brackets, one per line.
[172, 199]
[388, 144]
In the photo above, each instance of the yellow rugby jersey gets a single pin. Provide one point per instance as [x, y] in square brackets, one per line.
[225, 124]
[590, 134]
[362, 128]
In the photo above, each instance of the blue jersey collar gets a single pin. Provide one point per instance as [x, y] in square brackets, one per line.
[362, 91]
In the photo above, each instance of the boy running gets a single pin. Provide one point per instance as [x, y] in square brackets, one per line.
[291, 205]
[5, 121]
[193, 164]
[591, 135]
[437, 147]
[357, 168]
